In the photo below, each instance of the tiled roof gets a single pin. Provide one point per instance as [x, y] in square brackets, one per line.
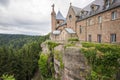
[117, 3]
[69, 30]
[101, 8]
[60, 16]
[76, 10]
[56, 32]
[96, 2]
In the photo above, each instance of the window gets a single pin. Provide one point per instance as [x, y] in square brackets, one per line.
[58, 22]
[114, 15]
[89, 38]
[99, 19]
[107, 4]
[89, 22]
[113, 38]
[94, 7]
[70, 16]
[80, 29]
[99, 38]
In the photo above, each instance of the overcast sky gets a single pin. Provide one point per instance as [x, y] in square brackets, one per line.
[32, 17]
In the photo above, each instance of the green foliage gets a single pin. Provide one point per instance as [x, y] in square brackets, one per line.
[69, 45]
[71, 42]
[21, 61]
[48, 78]
[43, 65]
[18, 41]
[73, 39]
[51, 45]
[87, 44]
[103, 59]
[7, 77]
[93, 76]
[58, 56]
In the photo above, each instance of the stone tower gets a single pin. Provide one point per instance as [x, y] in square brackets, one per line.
[53, 19]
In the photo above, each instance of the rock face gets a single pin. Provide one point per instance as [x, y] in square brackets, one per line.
[44, 48]
[69, 63]
[75, 65]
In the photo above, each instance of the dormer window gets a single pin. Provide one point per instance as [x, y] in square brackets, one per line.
[107, 4]
[112, 1]
[94, 7]
[84, 13]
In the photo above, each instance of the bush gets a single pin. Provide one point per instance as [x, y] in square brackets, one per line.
[51, 45]
[8, 77]
[73, 39]
[87, 44]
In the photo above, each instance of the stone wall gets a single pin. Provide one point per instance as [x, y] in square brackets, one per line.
[105, 28]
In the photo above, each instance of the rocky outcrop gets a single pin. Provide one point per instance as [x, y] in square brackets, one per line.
[69, 63]
[75, 64]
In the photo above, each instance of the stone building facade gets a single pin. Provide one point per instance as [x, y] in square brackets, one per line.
[97, 22]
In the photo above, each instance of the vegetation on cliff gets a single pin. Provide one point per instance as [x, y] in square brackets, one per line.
[46, 62]
[104, 60]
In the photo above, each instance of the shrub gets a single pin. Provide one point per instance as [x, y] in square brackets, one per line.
[73, 39]
[87, 44]
[7, 77]
[51, 45]
[69, 45]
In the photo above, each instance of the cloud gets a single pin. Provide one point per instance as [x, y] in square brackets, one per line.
[31, 16]
[4, 2]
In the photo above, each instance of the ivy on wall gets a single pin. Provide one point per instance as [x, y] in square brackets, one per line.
[104, 60]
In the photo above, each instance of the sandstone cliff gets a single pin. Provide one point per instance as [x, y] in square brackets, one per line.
[69, 62]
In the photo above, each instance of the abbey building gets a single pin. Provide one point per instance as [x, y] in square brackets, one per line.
[97, 22]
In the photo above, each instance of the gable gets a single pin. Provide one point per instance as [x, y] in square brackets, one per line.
[70, 12]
